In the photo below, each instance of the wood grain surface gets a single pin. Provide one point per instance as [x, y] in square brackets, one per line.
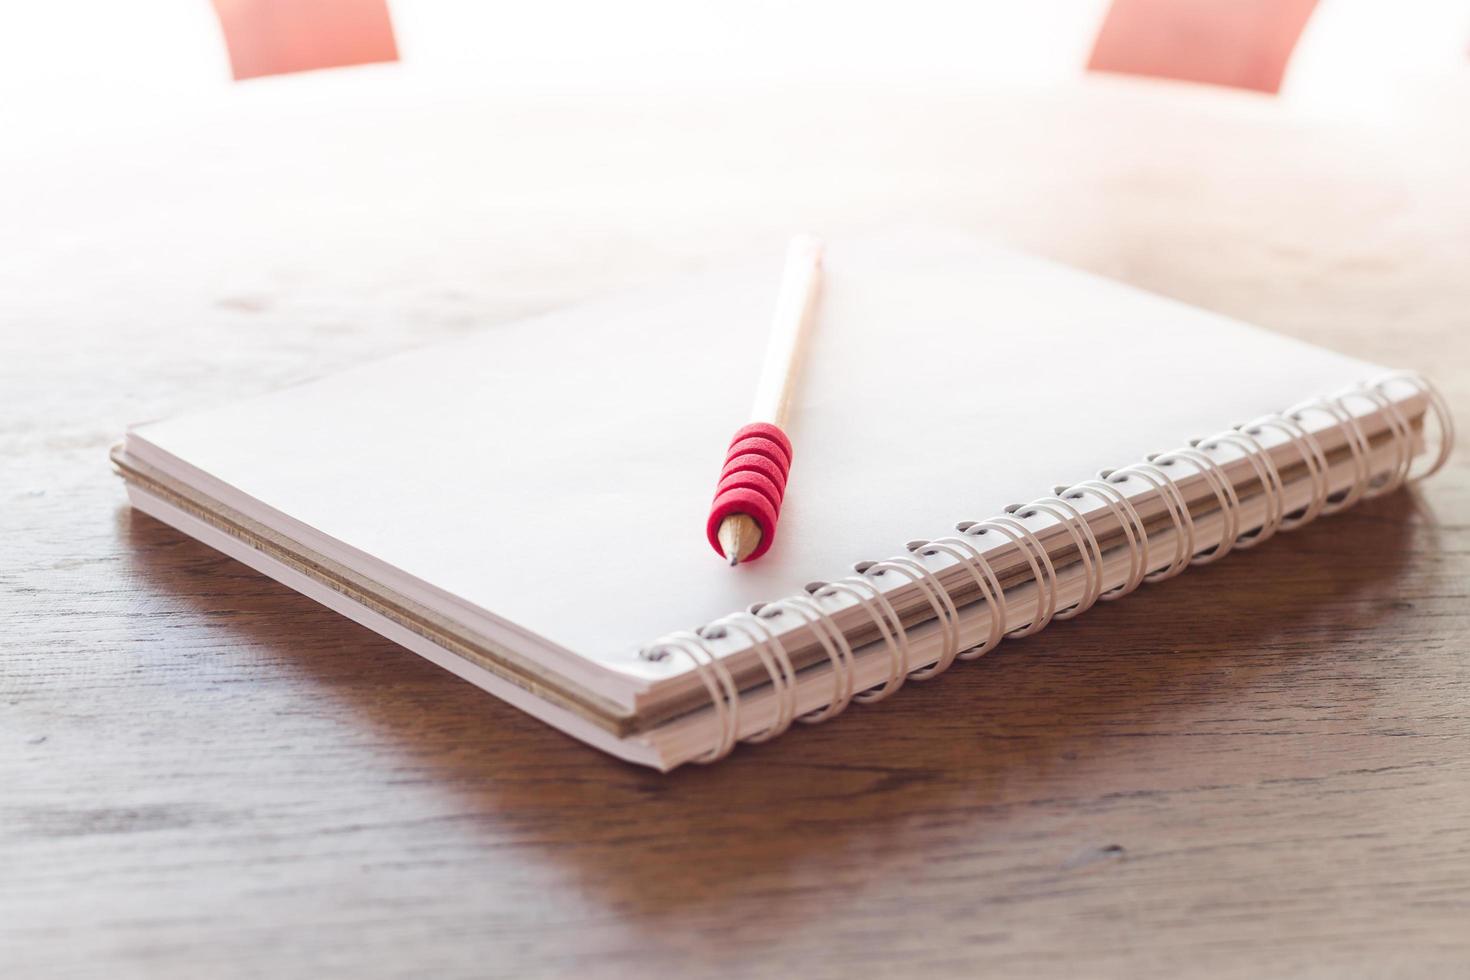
[1261, 768]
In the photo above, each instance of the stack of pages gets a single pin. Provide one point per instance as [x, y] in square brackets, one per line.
[985, 442]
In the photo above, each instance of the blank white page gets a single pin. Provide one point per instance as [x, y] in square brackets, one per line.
[557, 472]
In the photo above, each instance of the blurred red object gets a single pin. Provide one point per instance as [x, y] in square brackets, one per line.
[1239, 43]
[273, 37]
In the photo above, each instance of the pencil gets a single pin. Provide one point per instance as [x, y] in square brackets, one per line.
[742, 522]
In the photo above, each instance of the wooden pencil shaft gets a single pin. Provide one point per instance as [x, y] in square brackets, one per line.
[790, 327]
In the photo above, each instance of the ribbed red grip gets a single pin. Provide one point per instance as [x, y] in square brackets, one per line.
[752, 482]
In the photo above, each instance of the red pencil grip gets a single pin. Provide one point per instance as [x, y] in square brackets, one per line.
[752, 482]
[754, 463]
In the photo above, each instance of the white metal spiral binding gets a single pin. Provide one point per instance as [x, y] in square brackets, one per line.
[896, 640]
[1403, 442]
[834, 644]
[1225, 495]
[724, 695]
[1313, 458]
[1178, 511]
[991, 591]
[1037, 558]
[772, 656]
[1357, 444]
[1437, 405]
[1273, 488]
[758, 627]
[1135, 532]
[947, 615]
[1071, 519]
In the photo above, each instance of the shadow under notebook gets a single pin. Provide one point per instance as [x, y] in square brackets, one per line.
[1159, 693]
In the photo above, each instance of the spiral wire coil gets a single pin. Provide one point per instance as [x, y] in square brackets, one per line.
[758, 626]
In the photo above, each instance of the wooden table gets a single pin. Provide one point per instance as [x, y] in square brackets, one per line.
[1257, 769]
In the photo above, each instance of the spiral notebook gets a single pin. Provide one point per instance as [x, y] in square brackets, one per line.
[978, 438]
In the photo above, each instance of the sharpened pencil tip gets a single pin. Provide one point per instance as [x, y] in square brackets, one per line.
[739, 537]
